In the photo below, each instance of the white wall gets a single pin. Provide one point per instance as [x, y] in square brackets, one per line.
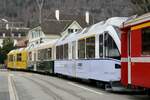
[73, 26]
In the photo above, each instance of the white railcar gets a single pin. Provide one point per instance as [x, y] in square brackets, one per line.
[41, 57]
[93, 53]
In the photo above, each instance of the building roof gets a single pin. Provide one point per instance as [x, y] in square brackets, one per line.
[80, 19]
[135, 20]
[54, 27]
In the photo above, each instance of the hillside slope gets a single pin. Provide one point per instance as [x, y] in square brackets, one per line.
[27, 10]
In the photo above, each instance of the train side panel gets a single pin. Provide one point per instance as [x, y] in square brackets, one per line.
[101, 70]
[141, 74]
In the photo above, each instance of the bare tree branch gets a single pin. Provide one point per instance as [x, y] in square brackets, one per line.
[40, 6]
[141, 6]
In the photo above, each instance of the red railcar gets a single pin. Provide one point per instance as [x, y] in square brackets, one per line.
[135, 52]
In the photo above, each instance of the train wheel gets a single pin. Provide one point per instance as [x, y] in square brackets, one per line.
[108, 87]
[148, 92]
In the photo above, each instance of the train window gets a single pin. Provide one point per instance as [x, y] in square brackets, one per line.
[61, 52]
[65, 51]
[19, 57]
[49, 53]
[90, 47]
[145, 41]
[30, 55]
[111, 49]
[81, 48]
[101, 45]
[34, 56]
[117, 29]
[57, 52]
[39, 54]
[44, 54]
[73, 50]
[10, 57]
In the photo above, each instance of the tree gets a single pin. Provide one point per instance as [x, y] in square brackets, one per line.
[8, 45]
[141, 6]
[1, 56]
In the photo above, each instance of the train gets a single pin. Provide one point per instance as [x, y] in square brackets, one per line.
[94, 53]
[98, 53]
[135, 48]
[17, 59]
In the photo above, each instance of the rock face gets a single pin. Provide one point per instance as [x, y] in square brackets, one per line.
[27, 10]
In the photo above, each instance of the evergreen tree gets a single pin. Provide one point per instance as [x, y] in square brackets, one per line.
[1, 56]
[8, 45]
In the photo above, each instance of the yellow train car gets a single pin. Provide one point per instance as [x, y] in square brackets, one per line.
[21, 60]
[11, 59]
[17, 59]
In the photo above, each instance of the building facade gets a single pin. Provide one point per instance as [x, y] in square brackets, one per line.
[14, 30]
[51, 30]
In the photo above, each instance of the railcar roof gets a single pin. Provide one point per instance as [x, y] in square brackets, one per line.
[97, 29]
[11, 52]
[20, 50]
[134, 20]
[47, 44]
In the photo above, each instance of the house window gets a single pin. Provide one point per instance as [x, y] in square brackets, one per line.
[70, 30]
[41, 40]
[4, 34]
[76, 30]
[145, 41]
[12, 34]
[90, 47]
[19, 35]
